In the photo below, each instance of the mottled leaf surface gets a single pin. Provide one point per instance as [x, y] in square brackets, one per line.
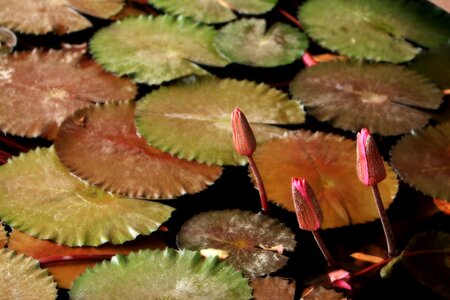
[435, 65]
[269, 288]
[101, 145]
[159, 274]
[386, 99]
[3, 237]
[327, 162]
[244, 235]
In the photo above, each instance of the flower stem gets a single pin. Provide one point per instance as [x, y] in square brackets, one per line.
[384, 221]
[330, 260]
[259, 185]
[73, 258]
[13, 144]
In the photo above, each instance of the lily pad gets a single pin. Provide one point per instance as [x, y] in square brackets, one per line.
[3, 237]
[59, 16]
[159, 274]
[249, 238]
[249, 42]
[48, 84]
[381, 30]
[101, 145]
[269, 288]
[386, 99]
[327, 162]
[429, 149]
[22, 278]
[39, 196]
[431, 269]
[153, 50]
[192, 120]
[435, 65]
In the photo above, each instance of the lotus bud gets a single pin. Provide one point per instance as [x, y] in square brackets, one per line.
[309, 214]
[369, 164]
[243, 137]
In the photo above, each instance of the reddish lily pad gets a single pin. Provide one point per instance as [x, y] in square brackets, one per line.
[269, 288]
[48, 83]
[386, 99]
[422, 160]
[100, 145]
[3, 237]
[249, 238]
[327, 162]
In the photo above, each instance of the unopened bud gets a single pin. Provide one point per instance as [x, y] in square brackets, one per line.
[307, 208]
[243, 137]
[369, 164]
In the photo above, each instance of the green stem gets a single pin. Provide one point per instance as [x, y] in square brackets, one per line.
[384, 221]
[259, 185]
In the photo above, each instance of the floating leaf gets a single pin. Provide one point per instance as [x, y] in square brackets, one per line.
[381, 30]
[60, 16]
[442, 205]
[435, 65]
[245, 235]
[156, 49]
[318, 292]
[327, 162]
[21, 278]
[3, 237]
[193, 120]
[48, 83]
[249, 42]
[39, 196]
[269, 288]
[386, 99]
[429, 150]
[101, 145]
[159, 274]
[65, 273]
[431, 269]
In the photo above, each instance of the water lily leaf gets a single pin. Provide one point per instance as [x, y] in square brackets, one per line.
[39, 196]
[442, 205]
[381, 30]
[48, 84]
[3, 237]
[435, 65]
[327, 162]
[273, 288]
[100, 145]
[249, 42]
[192, 119]
[153, 50]
[318, 292]
[59, 16]
[245, 235]
[432, 270]
[386, 99]
[159, 274]
[22, 278]
[65, 273]
[429, 150]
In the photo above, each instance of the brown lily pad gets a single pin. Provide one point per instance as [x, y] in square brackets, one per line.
[269, 288]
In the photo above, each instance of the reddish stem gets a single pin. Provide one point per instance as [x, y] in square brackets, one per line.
[384, 221]
[13, 144]
[291, 18]
[73, 258]
[259, 184]
[330, 260]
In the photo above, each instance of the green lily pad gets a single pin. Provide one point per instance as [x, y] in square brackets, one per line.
[22, 278]
[386, 99]
[153, 50]
[429, 149]
[431, 269]
[39, 196]
[160, 274]
[435, 65]
[380, 30]
[3, 237]
[192, 120]
[249, 42]
[254, 242]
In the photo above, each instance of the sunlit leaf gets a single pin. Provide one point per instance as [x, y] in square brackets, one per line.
[244, 234]
[3, 237]
[39, 196]
[422, 159]
[65, 273]
[386, 99]
[159, 274]
[442, 205]
[52, 85]
[192, 120]
[59, 16]
[435, 65]
[22, 278]
[269, 288]
[431, 269]
[100, 145]
[381, 30]
[327, 162]
[156, 49]
[249, 42]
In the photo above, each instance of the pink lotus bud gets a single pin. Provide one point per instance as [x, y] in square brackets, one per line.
[309, 214]
[340, 279]
[369, 164]
[243, 137]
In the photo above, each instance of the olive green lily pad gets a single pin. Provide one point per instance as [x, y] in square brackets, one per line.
[3, 237]
[153, 50]
[192, 120]
[435, 64]
[422, 160]
[254, 242]
[327, 162]
[22, 278]
[39, 196]
[157, 274]
[249, 42]
[380, 30]
[386, 99]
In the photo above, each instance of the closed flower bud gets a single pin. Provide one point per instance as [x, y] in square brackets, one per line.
[243, 137]
[307, 208]
[369, 164]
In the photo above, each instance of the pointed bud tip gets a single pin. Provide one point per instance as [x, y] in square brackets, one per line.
[369, 163]
[307, 208]
[243, 137]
